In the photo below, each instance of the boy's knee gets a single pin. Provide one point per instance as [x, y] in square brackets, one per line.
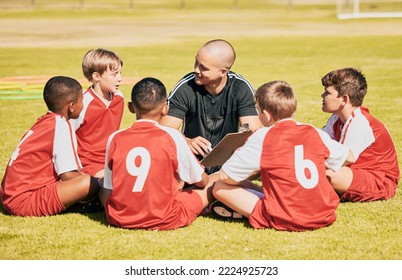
[89, 185]
[216, 189]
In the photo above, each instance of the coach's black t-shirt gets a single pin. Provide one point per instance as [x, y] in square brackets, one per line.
[211, 116]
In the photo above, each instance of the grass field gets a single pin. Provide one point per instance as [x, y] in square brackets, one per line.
[298, 45]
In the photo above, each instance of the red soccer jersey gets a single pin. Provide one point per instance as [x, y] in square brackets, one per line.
[372, 147]
[94, 126]
[292, 159]
[143, 166]
[47, 150]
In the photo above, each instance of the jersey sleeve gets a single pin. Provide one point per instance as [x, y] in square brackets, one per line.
[246, 160]
[189, 168]
[358, 136]
[107, 179]
[65, 157]
[338, 152]
[178, 99]
[245, 98]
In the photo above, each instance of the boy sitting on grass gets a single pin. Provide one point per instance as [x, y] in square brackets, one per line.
[103, 108]
[374, 172]
[292, 159]
[144, 164]
[42, 176]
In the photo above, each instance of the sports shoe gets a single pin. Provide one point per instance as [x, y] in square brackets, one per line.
[223, 212]
[92, 206]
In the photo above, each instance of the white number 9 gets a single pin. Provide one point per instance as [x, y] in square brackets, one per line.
[140, 171]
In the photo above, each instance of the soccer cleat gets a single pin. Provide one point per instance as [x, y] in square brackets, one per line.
[92, 206]
[221, 211]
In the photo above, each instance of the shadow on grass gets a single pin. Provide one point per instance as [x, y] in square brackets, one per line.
[100, 217]
[2, 210]
[243, 221]
[97, 217]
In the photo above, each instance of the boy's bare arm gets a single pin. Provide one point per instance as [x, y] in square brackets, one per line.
[204, 181]
[248, 184]
[350, 159]
[171, 121]
[253, 122]
[226, 179]
[69, 175]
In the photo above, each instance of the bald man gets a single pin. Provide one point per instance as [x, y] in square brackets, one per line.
[212, 101]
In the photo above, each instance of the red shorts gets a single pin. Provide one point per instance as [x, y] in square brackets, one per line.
[41, 202]
[369, 186]
[191, 206]
[259, 219]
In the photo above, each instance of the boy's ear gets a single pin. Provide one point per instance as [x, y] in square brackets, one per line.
[71, 107]
[345, 98]
[131, 107]
[95, 76]
[165, 110]
[267, 115]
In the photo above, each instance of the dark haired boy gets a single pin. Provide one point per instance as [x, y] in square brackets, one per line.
[374, 172]
[42, 176]
[144, 164]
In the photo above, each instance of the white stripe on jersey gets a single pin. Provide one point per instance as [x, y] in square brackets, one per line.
[240, 77]
[179, 84]
[65, 157]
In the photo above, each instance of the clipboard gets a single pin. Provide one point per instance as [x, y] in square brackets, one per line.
[225, 148]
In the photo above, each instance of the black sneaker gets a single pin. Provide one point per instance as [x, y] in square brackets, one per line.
[223, 212]
[92, 206]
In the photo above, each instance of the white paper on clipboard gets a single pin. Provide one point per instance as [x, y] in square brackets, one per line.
[225, 148]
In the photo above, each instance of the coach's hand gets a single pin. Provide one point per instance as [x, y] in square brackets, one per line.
[199, 145]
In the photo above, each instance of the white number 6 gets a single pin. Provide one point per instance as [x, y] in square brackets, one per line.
[141, 171]
[300, 165]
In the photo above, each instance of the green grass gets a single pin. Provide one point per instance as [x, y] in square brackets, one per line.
[364, 231]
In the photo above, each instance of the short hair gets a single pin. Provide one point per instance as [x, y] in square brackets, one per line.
[147, 94]
[226, 53]
[100, 60]
[59, 91]
[277, 97]
[347, 81]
